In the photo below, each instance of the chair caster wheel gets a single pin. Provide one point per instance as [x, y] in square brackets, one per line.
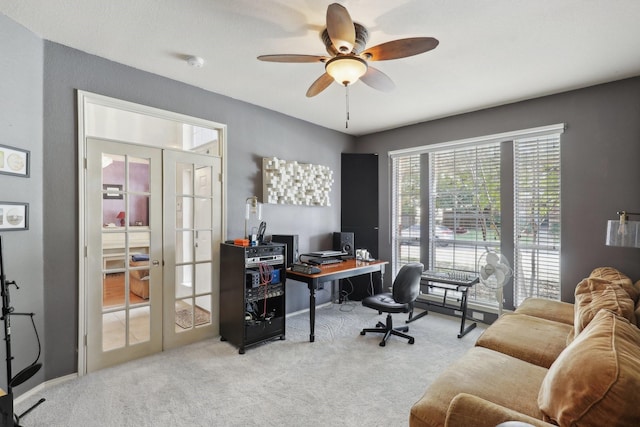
[411, 341]
[382, 343]
[362, 332]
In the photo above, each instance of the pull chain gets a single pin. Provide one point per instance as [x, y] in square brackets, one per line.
[346, 123]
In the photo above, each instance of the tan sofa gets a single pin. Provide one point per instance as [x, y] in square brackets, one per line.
[548, 363]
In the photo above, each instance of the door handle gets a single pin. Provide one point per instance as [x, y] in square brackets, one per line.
[155, 262]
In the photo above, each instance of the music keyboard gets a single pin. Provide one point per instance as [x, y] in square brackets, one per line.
[460, 278]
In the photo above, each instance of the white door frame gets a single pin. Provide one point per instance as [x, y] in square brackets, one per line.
[85, 99]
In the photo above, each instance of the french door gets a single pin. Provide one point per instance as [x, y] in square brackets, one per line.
[193, 231]
[151, 250]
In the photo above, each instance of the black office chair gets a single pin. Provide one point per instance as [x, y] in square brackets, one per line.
[405, 290]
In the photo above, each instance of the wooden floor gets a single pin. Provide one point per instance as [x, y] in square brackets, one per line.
[113, 291]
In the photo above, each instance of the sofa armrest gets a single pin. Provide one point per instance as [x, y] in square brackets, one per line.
[469, 410]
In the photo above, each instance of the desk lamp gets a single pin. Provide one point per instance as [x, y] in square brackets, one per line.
[623, 232]
[252, 207]
[121, 217]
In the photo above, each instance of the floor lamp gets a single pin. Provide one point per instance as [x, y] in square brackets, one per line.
[29, 371]
[623, 232]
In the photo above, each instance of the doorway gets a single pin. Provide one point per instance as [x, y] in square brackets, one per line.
[152, 218]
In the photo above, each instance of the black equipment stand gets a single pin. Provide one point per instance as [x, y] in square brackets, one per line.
[10, 419]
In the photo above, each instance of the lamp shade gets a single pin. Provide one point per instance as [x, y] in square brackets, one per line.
[252, 207]
[346, 70]
[623, 233]
[120, 215]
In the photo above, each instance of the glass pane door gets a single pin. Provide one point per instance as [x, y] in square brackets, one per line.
[123, 252]
[192, 236]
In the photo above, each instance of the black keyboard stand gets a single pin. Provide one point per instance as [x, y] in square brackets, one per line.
[453, 283]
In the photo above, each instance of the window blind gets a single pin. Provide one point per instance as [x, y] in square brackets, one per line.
[537, 218]
[406, 210]
[464, 200]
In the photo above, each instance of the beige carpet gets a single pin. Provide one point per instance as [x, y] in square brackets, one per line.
[342, 379]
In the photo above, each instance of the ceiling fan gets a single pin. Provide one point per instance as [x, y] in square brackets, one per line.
[345, 41]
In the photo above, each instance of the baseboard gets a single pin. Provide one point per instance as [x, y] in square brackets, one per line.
[306, 310]
[43, 386]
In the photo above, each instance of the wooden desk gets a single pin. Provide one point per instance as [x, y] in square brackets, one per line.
[330, 272]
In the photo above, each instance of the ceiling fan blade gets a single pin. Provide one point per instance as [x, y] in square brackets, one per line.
[340, 28]
[319, 85]
[378, 80]
[292, 58]
[400, 48]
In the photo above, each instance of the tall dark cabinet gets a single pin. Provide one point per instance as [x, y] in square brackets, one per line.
[359, 214]
[252, 293]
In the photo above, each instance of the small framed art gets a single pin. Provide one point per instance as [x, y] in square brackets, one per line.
[14, 161]
[14, 216]
[112, 191]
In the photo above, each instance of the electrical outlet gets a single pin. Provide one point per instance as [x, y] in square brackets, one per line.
[478, 316]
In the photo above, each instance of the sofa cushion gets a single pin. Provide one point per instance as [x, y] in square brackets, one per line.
[532, 339]
[544, 308]
[595, 381]
[616, 277]
[594, 294]
[468, 410]
[488, 374]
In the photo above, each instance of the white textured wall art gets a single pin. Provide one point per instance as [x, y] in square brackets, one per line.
[293, 183]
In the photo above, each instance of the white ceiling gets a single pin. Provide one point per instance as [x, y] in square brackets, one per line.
[491, 52]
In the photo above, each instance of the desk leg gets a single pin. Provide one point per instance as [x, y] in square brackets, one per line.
[463, 307]
[312, 309]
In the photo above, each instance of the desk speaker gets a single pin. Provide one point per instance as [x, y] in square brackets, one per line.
[291, 240]
[343, 241]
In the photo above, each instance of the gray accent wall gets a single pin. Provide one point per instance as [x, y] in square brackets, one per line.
[21, 127]
[253, 133]
[600, 154]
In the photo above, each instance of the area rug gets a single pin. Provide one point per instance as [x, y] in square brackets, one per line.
[184, 317]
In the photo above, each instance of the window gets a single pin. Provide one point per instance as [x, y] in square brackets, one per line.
[537, 217]
[447, 208]
[464, 209]
[406, 210]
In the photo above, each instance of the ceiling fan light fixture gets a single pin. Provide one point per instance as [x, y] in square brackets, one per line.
[346, 70]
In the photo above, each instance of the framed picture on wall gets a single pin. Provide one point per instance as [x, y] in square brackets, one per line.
[14, 216]
[14, 161]
[112, 191]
